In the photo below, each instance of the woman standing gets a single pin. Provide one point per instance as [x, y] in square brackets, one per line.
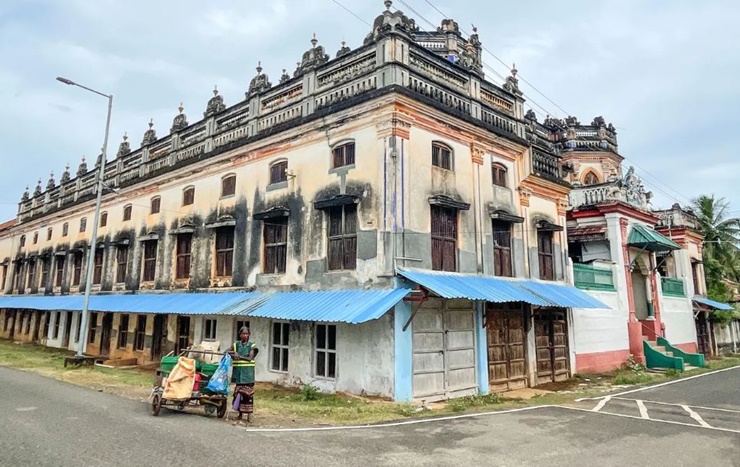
[243, 353]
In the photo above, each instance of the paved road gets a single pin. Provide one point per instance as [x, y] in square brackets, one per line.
[45, 422]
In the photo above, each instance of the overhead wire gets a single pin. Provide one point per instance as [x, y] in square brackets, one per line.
[529, 99]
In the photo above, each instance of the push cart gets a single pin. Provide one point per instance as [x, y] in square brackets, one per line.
[200, 396]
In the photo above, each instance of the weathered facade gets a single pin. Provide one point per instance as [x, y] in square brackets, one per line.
[396, 156]
[620, 256]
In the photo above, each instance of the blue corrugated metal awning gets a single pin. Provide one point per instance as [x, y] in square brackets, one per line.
[41, 302]
[472, 286]
[562, 295]
[712, 304]
[332, 306]
[231, 303]
[501, 290]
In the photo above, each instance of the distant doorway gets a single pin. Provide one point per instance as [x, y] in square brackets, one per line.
[159, 334]
[67, 329]
[105, 333]
[183, 333]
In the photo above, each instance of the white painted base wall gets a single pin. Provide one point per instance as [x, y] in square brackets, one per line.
[728, 337]
[678, 316]
[365, 359]
[596, 331]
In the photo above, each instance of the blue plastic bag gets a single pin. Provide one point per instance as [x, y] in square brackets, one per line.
[219, 382]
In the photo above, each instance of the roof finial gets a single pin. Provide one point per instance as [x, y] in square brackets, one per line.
[514, 71]
[388, 4]
[151, 122]
[181, 108]
[475, 29]
[314, 41]
[259, 67]
[125, 136]
[215, 90]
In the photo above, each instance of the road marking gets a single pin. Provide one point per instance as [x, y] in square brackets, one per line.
[25, 409]
[395, 424]
[696, 417]
[680, 405]
[651, 420]
[601, 404]
[667, 383]
[476, 415]
[643, 410]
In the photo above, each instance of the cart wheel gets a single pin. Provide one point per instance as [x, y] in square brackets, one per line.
[156, 404]
[181, 406]
[222, 409]
[209, 409]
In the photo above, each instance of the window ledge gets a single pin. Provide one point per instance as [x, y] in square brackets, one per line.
[227, 197]
[325, 378]
[452, 171]
[342, 169]
[280, 372]
[277, 186]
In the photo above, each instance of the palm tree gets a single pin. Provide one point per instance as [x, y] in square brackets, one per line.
[721, 236]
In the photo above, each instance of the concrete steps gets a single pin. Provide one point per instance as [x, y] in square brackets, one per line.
[660, 355]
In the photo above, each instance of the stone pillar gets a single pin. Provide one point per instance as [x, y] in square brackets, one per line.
[634, 327]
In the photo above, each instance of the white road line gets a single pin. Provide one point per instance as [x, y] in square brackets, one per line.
[651, 420]
[395, 424]
[667, 383]
[643, 409]
[679, 405]
[601, 404]
[475, 415]
[696, 417]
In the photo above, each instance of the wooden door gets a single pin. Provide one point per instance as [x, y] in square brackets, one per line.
[36, 325]
[67, 329]
[444, 356]
[183, 333]
[507, 363]
[428, 354]
[105, 332]
[460, 358]
[551, 341]
[159, 334]
[702, 341]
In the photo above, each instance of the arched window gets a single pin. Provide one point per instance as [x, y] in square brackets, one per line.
[127, 213]
[279, 172]
[441, 156]
[83, 224]
[49, 233]
[498, 173]
[343, 154]
[188, 196]
[103, 219]
[591, 179]
[155, 205]
[65, 229]
[23, 241]
[228, 185]
[35, 238]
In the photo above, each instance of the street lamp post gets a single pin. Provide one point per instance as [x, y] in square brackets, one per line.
[90, 257]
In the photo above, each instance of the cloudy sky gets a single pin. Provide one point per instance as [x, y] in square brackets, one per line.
[664, 72]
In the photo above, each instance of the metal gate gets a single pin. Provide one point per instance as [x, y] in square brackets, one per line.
[507, 362]
[551, 338]
[444, 351]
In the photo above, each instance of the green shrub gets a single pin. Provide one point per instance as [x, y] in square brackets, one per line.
[309, 392]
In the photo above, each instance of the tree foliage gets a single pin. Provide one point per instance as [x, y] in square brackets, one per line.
[721, 249]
